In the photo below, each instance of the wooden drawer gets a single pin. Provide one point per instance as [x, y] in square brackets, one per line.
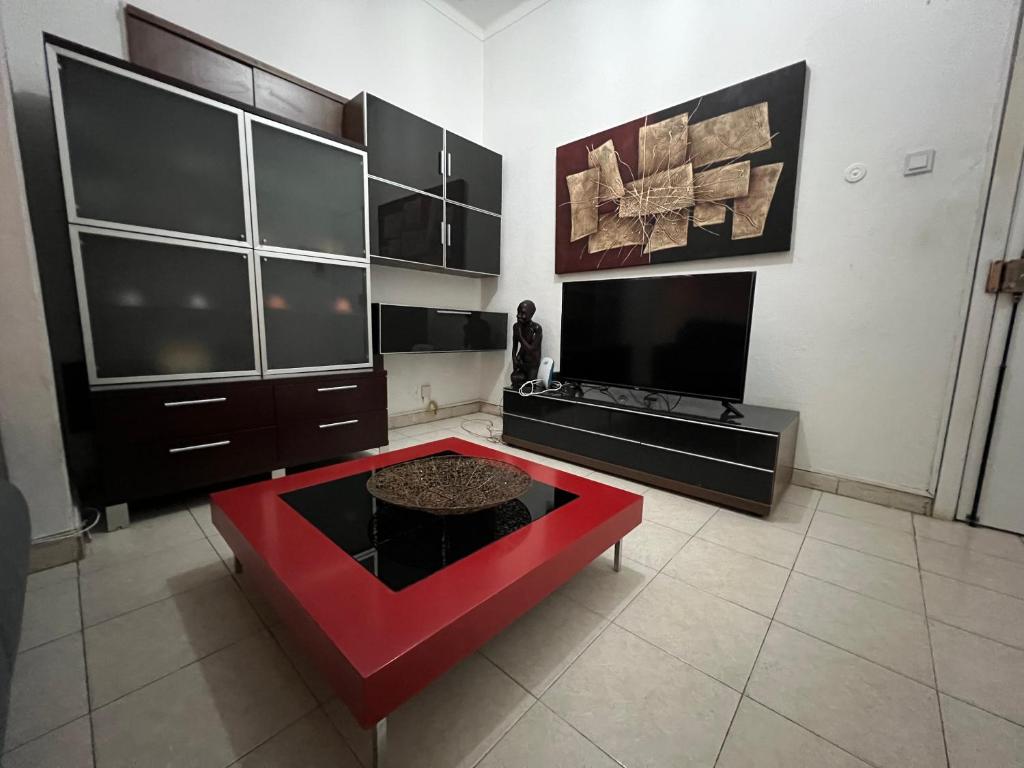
[159, 413]
[329, 399]
[309, 441]
[138, 470]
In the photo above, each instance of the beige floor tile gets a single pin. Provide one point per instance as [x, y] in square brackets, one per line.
[50, 612]
[866, 512]
[52, 576]
[222, 549]
[753, 583]
[451, 723]
[643, 706]
[430, 427]
[156, 531]
[974, 567]
[311, 676]
[882, 633]
[619, 482]
[975, 738]
[983, 672]
[311, 742]
[997, 543]
[69, 746]
[201, 513]
[982, 611]
[134, 649]
[790, 517]
[882, 579]
[759, 738]
[803, 497]
[119, 589]
[751, 536]
[605, 591]
[208, 714]
[541, 738]
[877, 715]
[864, 537]
[541, 644]
[653, 545]
[678, 512]
[714, 635]
[47, 690]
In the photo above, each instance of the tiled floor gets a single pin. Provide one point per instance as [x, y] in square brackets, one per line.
[836, 633]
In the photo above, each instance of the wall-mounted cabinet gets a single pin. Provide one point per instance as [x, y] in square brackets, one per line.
[401, 329]
[406, 226]
[144, 156]
[308, 193]
[435, 197]
[313, 312]
[472, 240]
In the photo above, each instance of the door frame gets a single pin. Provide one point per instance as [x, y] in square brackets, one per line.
[987, 320]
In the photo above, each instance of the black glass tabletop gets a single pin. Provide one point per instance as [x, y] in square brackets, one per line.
[402, 546]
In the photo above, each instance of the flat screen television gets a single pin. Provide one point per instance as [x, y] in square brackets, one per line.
[685, 334]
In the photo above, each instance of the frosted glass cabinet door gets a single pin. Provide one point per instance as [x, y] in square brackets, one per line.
[309, 193]
[315, 313]
[150, 158]
[164, 309]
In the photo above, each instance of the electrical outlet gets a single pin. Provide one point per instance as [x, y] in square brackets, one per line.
[424, 392]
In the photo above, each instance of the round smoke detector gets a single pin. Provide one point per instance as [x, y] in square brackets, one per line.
[855, 172]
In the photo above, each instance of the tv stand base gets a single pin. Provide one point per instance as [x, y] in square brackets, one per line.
[744, 462]
[730, 411]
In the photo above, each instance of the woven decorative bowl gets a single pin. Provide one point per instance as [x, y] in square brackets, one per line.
[449, 485]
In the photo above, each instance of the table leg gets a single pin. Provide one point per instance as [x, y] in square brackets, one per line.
[380, 743]
[238, 565]
[617, 563]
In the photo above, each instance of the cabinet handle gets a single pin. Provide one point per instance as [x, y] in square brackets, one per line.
[199, 447]
[339, 423]
[337, 389]
[204, 401]
[449, 163]
[442, 233]
[449, 234]
[453, 311]
[440, 161]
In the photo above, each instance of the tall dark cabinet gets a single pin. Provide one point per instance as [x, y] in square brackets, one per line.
[435, 197]
[215, 252]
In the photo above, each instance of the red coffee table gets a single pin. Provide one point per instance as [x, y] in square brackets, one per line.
[385, 600]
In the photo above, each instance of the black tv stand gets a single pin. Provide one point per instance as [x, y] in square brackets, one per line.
[730, 411]
[740, 460]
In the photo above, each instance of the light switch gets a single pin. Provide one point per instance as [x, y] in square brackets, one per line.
[919, 162]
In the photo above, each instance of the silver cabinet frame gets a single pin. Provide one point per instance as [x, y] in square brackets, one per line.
[362, 264]
[83, 305]
[253, 207]
[53, 55]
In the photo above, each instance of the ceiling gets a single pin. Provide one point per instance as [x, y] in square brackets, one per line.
[484, 18]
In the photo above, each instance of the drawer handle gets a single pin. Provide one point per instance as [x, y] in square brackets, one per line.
[204, 401]
[339, 423]
[337, 389]
[453, 311]
[199, 447]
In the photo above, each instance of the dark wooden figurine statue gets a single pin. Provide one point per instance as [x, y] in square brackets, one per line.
[526, 340]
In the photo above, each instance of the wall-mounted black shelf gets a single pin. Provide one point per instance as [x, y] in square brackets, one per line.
[399, 329]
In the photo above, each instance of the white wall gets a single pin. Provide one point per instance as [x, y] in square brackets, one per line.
[403, 50]
[857, 327]
[32, 446]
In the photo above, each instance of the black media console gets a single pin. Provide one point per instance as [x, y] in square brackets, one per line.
[682, 444]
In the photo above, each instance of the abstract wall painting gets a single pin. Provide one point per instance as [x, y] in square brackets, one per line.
[712, 177]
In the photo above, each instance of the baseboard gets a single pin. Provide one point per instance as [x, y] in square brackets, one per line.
[399, 420]
[50, 554]
[858, 489]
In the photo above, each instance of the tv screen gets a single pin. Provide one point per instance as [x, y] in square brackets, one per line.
[686, 334]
